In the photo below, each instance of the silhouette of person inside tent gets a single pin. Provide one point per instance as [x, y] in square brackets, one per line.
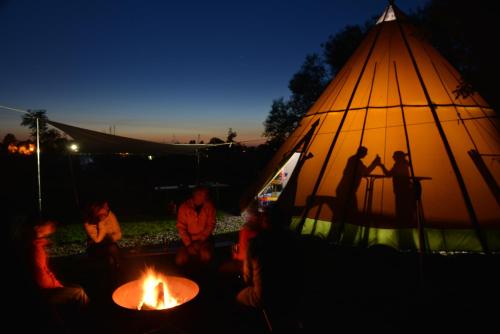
[354, 171]
[402, 186]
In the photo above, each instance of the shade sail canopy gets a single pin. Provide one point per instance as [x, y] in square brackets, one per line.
[399, 99]
[90, 141]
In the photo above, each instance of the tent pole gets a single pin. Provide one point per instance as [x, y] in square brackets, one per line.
[337, 134]
[39, 188]
[451, 157]
[422, 245]
[287, 198]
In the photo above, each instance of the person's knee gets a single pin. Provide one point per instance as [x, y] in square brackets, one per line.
[75, 289]
[73, 294]
[241, 297]
[206, 254]
[248, 297]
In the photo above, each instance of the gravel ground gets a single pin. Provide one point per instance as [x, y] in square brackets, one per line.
[134, 239]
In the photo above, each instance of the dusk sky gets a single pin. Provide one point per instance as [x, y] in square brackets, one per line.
[158, 69]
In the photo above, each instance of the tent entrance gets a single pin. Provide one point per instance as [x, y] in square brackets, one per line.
[274, 188]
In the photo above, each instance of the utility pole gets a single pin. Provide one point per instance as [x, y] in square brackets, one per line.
[39, 180]
[38, 166]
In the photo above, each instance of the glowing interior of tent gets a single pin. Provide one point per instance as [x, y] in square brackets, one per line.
[273, 189]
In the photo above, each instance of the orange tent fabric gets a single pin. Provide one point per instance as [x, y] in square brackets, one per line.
[397, 94]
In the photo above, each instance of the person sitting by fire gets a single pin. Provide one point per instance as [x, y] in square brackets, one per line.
[55, 292]
[272, 269]
[252, 226]
[196, 221]
[103, 232]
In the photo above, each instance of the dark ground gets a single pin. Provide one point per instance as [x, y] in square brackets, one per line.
[346, 291]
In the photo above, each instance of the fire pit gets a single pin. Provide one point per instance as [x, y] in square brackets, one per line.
[154, 291]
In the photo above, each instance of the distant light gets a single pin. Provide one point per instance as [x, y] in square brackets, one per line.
[74, 147]
[150, 157]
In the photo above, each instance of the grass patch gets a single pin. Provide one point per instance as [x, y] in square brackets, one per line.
[135, 229]
[75, 233]
[71, 239]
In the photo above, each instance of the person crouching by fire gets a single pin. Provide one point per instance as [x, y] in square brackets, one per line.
[55, 292]
[272, 271]
[196, 221]
[103, 232]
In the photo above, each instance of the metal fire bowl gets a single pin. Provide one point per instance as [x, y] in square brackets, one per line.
[129, 294]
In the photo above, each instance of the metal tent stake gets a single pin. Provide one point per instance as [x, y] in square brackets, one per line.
[38, 166]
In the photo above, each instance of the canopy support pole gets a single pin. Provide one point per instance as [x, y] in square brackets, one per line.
[38, 173]
[197, 166]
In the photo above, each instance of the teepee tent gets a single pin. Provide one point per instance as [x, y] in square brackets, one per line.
[396, 98]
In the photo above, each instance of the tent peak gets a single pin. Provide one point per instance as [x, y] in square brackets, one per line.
[389, 13]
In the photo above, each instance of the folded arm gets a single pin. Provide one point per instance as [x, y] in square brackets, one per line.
[94, 232]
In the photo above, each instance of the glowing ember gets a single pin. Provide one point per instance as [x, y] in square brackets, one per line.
[155, 292]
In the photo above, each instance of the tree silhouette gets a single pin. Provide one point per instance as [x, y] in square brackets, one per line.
[340, 46]
[463, 34]
[231, 135]
[50, 139]
[215, 140]
[29, 120]
[279, 123]
[307, 84]
[9, 139]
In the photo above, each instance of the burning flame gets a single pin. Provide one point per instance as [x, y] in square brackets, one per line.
[155, 292]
